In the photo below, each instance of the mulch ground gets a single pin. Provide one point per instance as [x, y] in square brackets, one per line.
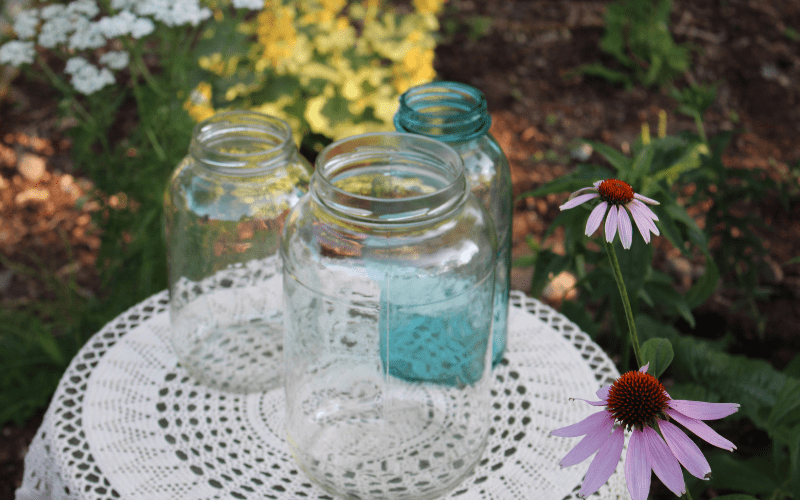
[540, 106]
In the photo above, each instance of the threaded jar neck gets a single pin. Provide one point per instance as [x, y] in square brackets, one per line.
[389, 178]
[447, 111]
[242, 143]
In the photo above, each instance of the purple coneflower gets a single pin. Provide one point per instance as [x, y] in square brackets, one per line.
[620, 196]
[637, 401]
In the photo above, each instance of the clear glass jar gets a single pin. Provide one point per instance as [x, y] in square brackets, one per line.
[457, 114]
[388, 284]
[224, 211]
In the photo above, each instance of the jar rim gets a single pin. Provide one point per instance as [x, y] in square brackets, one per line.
[270, 142]
[461, 111]
[390, 153]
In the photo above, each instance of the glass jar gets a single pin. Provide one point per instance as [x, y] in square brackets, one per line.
[457, 114]
[224, 211]
[388, 284]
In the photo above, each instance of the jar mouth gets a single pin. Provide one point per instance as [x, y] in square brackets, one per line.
[448, 111]
[241, 142]
[389, 177]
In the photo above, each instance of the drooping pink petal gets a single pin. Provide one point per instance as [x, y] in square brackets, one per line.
[578, 200]
[644, 209]
[646, 199]
[624, 225]
[595, 218]
[593, 423]
[644, 368]
[664, 463]
[702, 430]
[611, 223]
[604, 463]
[644, 224]
[597, 183]
[700, 410]
[602, 392]
[637, 466]
[684, 449]
[589, 444]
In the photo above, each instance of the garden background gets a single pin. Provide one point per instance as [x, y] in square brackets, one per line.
[712, 84]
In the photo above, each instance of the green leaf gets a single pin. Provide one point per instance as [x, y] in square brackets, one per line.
[793, 368]
[617, 159]
[787, 409]
[731, 473]
[641, 165]
[705, 286]
[794, 462]
[658, 352]
[690, 161]
[667, 297]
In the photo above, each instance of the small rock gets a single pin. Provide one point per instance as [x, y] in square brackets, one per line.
[31, 167]
[562, 287]
[37, 195]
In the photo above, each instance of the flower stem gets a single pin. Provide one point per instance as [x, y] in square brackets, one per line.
[626, 304]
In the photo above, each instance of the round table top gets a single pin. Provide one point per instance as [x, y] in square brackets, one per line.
[128, 422]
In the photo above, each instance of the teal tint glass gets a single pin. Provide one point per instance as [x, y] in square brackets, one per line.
[457, 114]
[388, 289]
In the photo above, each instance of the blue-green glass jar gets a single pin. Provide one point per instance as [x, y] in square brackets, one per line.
[457, 114]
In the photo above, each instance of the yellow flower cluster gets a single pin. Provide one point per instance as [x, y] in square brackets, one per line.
[331, 67]
[198, 105]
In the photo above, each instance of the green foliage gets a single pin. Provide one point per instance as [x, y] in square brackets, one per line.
[769, 399]
[637, 36]
[658, 354]
[738, 252]
[653, 168]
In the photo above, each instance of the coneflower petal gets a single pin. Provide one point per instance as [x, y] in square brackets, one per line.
[578, 200]
[700, 429]
[592, 423]
[604, 463]
[637, 466]
[684, 449]
[645, 199]
[596, 218]
[625, 230]
[664, 463]
[611, 223]
[700, 410]
[589, 444]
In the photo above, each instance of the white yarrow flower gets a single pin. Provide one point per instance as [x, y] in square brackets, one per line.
[174, 12]
[115, 59]
[75, 64]
[26, 23]
[51, 11]
[117, 25]
[55, 31]
[142, 27]
[17, 53]
[86, 8]
[248, 4]
[88, 35]
[89, 79]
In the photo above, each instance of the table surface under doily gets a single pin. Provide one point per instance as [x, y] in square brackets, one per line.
[127, 422]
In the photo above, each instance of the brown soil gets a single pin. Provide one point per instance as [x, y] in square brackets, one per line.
[540, 107]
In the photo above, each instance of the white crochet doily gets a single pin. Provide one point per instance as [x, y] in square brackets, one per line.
[127, 422]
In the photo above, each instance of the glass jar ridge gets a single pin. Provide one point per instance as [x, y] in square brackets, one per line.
[224, 212]
[388, 285]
